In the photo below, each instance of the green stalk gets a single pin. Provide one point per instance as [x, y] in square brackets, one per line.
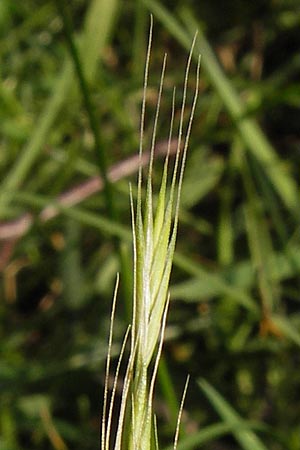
[100, 150]
[99, 144]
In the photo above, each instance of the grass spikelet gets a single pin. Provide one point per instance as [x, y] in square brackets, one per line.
[154, 233]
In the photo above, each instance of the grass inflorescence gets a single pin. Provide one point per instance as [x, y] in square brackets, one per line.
[154, 230]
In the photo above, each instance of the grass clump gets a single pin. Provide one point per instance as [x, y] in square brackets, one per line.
[154, 236]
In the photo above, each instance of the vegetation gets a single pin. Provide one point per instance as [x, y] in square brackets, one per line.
[71, 94]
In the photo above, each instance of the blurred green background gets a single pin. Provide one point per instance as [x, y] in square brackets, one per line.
[234, 318]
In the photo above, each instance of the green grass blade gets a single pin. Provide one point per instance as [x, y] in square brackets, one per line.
[246, 437]
[99, 21]
[207, 434]
[286, 327]
[30, 152]
[94, 39]
[80, 214]
[210, 284]
[250, 132]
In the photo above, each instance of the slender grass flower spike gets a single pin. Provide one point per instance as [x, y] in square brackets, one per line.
[154, 232]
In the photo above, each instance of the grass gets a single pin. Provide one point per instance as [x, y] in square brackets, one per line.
[154, 238]
[233, 320]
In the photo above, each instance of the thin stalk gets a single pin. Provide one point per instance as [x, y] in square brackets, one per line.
[100, 151]
[99, 145]
[139, 43]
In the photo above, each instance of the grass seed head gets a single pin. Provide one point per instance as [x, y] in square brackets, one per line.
[154, 236]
